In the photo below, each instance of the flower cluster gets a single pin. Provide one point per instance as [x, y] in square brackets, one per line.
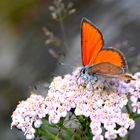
[135, 94]
[104, 105]
[27, 113]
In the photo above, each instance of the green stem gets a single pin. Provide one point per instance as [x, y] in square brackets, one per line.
[71, 132]
[46, 133]
[137, 116]
[85, 126]
[68, 130]
[131, 114]
[129, 111]
[124, 138]
[59, 133]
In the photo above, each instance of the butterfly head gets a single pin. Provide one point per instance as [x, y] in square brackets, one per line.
[85, 73]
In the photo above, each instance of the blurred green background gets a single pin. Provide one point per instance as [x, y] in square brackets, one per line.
[25, 59]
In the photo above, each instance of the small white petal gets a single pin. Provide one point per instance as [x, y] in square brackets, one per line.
[138, 111]
[64, 113]
[98, 137]
[122, 131]
[87, 113]
[29, 136]
[134, 109]
[111, 134]
[133, 99]
[38, 123]
[78, 112]
[131, 124]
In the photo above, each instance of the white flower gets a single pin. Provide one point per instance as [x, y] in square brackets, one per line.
[38, 123]
[122, 131]
[98, 137]
[112, 134]
[96, 128]
[30, 136]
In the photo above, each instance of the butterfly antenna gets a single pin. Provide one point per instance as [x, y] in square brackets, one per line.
[78, 78]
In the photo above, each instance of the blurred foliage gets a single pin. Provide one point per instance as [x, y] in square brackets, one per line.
[11, 9]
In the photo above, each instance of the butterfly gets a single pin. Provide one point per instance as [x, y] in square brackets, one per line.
[108, 62]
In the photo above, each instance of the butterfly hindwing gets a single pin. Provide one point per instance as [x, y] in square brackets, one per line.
[112, 56]
[106, 68]
[109, 70]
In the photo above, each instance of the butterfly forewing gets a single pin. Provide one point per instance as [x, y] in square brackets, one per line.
[91, 42]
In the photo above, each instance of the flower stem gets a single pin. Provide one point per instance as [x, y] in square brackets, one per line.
[137, 116]
[62, 27]
[129, 111]
[125, 138]
[46, 133]
[71, 132]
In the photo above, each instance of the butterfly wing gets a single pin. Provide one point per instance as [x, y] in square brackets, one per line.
[91, 42]
[125, 77]
[112, 56]
[105, 68]
[109, 70]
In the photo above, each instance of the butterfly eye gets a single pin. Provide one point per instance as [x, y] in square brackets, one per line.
[84, 71]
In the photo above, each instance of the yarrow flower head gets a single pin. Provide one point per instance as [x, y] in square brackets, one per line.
[27, 113]
[135, 94]
[104, 106]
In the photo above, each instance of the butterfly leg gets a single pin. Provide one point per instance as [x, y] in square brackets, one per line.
[108, 87]
[78, 76]
[95, 79]
[90, 80]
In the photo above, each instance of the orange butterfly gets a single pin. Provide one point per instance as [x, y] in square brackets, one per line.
[97, 60]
